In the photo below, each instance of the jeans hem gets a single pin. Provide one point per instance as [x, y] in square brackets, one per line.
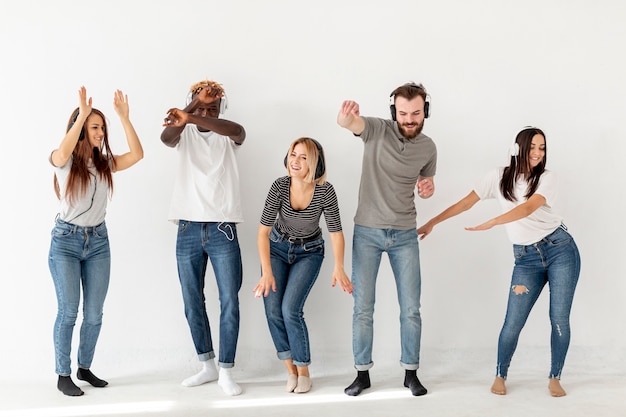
[364, 367]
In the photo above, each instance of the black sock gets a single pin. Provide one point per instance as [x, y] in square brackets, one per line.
[413, 383]
[86, 375]
[67, 386]
[361, 382]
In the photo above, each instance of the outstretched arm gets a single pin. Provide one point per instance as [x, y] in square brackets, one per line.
[130, 158]
[462, 205]
[519, 212]
[339, 275]
[349, 117]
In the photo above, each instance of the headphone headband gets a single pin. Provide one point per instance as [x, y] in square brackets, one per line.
[420, 86]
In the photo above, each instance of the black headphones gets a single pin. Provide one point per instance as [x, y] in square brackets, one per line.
[320, 169]
[392, 98]
[74, 117]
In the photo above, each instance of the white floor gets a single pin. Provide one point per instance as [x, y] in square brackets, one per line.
[453, 391]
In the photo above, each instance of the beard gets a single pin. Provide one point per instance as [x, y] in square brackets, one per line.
[410, 134]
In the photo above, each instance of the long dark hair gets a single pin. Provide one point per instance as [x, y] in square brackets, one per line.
[79, 178]
[520, 167]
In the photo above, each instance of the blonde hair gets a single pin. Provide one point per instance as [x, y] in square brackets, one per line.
[313, 156]
[195, 89]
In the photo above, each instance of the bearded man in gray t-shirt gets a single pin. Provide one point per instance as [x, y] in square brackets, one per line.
[397, 159]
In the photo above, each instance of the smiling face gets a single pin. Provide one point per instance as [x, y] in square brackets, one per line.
[537, 150]
[95, 130]
[410, 116]
[297, 164]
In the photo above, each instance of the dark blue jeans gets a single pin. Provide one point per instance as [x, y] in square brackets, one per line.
[554, 260]
[295, 268]
[197, 243]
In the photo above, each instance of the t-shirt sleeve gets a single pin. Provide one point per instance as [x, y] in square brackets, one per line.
[272, 205]
[548, 187]
[331, 210]
[487, 187]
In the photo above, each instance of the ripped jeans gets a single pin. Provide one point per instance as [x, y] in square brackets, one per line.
[198, 242]
[554, 260]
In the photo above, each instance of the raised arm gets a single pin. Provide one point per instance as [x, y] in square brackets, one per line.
[462, 205]
[62, 154]
[135, 153]
[519, 212]
[207, 100]
[349, 117]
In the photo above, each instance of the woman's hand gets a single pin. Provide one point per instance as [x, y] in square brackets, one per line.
[339, 275]
[84, 104]
[120, 104]
[266, 283]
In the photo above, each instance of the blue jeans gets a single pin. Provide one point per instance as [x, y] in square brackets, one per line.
[295, 268]
[403, 251]
[78, 257]
[554, 260]
[198, 242]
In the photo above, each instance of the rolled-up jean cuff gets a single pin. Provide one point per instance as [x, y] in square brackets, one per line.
[364, 367]
[203, 357]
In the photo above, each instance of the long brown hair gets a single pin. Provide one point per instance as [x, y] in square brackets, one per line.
[79, 178]
[520, 167]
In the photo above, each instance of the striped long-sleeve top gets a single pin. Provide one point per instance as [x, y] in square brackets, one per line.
[301, 223]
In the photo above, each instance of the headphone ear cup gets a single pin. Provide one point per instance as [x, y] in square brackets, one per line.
[427, 109]
[392, 109]
[321, 165]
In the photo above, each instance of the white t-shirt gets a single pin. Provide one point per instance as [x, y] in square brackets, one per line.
[90, 208]
[206, 188]
[538, 224]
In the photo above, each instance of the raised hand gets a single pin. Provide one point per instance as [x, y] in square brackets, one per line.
[120, 104]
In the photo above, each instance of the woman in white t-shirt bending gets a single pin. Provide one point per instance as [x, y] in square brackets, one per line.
[544, 251]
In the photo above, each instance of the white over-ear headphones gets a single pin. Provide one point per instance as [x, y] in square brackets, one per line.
[514, 149]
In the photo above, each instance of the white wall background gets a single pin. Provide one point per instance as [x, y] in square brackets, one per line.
[490, 66]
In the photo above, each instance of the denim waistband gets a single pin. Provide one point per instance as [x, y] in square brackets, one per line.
[561, 228]
[76, 228]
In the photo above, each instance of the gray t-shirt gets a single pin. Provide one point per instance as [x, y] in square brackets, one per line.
[391, 167]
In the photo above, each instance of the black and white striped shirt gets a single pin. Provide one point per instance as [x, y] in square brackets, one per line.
[301, 223]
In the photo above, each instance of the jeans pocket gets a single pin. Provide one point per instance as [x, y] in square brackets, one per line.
[560, 237]
[317, 246]
[60, 232]
[518, 251]
[182, 226]
[275, 236]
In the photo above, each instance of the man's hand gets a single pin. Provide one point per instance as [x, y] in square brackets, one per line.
[425, 188]
[175, 118]
[348, 112]
[209, 94]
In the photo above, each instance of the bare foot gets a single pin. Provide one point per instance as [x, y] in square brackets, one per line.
[556, 390]
[498, 386]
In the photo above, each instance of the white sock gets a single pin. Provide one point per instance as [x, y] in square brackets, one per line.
[227, 384]
[207, 374]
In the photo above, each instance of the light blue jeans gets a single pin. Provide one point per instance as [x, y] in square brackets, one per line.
[198, 242]
[296, 268]
[78, 257]
[554, 260]
[403, 251]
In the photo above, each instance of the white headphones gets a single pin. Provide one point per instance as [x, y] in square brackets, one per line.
[514, 149]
